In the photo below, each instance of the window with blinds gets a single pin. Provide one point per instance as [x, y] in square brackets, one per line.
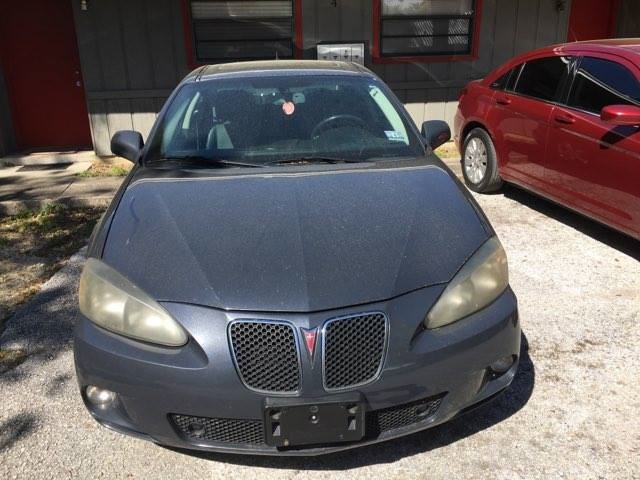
[242, 29]
[427, 27]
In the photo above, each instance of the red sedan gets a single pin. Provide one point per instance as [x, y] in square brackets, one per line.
[562, 122]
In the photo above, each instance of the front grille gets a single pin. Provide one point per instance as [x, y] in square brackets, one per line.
[266, 355]
[380, 421]
[220, 430]
[353, 350]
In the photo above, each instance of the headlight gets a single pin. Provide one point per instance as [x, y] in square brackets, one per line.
[478, 283]
[111, 301]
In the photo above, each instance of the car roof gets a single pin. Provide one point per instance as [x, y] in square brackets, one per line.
[277, 66]
[626, 47]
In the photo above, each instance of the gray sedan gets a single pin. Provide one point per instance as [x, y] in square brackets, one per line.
[290, 270]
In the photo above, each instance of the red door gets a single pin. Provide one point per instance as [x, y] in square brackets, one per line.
[592, 19]
[41, 66]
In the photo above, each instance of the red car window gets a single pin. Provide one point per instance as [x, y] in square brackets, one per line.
[599, 82]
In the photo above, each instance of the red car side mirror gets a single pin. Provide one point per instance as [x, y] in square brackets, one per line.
[621, 115]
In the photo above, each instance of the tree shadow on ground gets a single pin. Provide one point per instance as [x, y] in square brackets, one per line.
[486, 416]
[44, 326]
[16, 428]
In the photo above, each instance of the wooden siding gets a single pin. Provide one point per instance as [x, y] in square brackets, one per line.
[628, 19]
[132, 54]
[430, 90]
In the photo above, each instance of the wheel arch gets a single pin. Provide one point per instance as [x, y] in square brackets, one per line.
[470, 126]
[478, 124]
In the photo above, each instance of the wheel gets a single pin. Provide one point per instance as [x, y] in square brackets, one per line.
[480, 162]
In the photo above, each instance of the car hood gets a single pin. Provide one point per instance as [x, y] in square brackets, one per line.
[298, 242]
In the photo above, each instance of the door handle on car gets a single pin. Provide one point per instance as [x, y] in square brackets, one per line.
[503, 101]
[565, 118]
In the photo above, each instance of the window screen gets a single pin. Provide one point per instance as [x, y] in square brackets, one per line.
[542, 78]
[599, 83]
[242, 29]
[427, 27]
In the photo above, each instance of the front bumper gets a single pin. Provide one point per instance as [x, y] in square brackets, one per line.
[445, 369]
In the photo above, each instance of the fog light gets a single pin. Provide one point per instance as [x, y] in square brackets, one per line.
[502, 364]
[100, 397]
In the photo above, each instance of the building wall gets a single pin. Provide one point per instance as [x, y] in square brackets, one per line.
[133, 53]
[629, 19]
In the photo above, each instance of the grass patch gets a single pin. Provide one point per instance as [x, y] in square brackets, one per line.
[105, 170]
[34, 245]
[448, 151]
[11, 358]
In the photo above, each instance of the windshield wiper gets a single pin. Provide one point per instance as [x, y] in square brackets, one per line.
[205, 161]
[312, 159]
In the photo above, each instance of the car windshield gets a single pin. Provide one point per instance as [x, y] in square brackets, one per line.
[283, 119]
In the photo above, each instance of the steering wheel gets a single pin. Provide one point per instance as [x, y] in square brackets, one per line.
[327, 123]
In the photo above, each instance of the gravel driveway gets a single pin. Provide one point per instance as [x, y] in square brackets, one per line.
[573, 410]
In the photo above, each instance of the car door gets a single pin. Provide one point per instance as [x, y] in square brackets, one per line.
[594, 166]
[520, 118]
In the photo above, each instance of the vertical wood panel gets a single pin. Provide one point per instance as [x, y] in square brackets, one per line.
[143, 116]
[628, 19]
[526, 25]
[88, 50]
[415, 100]
[165, 68]
[99, 127]
[119, 115]
[108, 31]
[136, 48]
[506, 11]
[487, 37]
[435, 106]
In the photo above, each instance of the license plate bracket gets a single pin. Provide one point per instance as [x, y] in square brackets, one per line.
[314, 423]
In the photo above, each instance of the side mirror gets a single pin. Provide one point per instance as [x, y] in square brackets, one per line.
[621, 115]
[436, 132]
[127, 144]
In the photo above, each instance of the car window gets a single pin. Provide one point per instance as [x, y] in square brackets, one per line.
[506, 80]
[271, 118]
[600, 82]
[513, 78]
[500, 82]
[542, 78]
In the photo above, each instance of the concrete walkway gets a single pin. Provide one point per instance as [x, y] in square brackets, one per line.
[30, 182]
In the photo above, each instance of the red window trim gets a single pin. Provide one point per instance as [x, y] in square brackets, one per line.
[193, 63]
[376, 18]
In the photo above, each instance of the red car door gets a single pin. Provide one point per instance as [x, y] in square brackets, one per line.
[594, 166]
[521, 116]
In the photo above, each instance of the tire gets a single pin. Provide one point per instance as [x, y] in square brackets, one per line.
[480, 163]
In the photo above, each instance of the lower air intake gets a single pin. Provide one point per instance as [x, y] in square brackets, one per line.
[219, 430]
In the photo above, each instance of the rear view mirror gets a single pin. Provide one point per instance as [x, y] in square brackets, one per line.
[127, 144]
[621, 115]
[436, 132]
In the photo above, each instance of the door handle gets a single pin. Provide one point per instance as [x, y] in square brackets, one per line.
[503, 101]
[565, 118]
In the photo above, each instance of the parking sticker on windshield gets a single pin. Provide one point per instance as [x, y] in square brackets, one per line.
[395, 136]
